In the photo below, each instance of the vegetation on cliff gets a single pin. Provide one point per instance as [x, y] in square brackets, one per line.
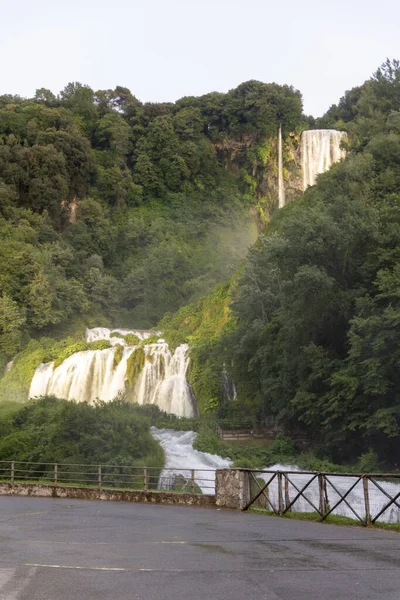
[127, 212]
[124, 210]
[313, 343]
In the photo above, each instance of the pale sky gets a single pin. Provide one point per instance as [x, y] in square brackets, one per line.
[165, 49]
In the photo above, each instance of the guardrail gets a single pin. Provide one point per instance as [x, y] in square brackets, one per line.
[368, 497]
[233, 434]
[123, 477]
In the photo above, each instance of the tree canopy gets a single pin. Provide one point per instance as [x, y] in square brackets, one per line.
[125, 210]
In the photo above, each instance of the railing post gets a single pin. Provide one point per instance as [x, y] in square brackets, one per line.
[12, 472]
[145, 479]
[287, 499]
[326, 495]
[321, 487]
[366, 501]
[280, 498]
[55, 474]
[193, 482]
[99, 477]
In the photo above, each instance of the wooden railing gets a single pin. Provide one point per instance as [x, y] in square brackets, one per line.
[366, 497]
[233, 434]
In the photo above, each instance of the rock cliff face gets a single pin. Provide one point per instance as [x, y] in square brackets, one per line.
[277, 170]
[255, 164]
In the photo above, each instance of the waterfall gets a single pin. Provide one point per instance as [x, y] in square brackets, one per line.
[320, 148]
[102, 333]
[281, 187]
[89, 375]
[228, 387]
[163, 380]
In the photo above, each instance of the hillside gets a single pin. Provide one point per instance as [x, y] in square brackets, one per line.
[127, 214]
[116, 212]
[313, 328]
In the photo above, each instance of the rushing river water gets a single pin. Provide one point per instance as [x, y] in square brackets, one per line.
[355, 498]
[181, 457]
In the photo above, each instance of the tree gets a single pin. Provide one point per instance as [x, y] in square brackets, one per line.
[114, 133]
[46, 97]
[11, 321]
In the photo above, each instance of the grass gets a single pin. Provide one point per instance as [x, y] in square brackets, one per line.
[252, 443]
[331, 520]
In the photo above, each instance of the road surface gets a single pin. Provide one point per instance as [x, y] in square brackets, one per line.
[59, 549]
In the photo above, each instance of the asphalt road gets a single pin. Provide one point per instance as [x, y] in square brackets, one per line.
[54, 549]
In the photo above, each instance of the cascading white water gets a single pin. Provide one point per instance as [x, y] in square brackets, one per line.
[163, 380]
[281, 186]
[320, 148]
[228, 386]
[103, 333]
[179, 452]
[92, 374]
[181, 458]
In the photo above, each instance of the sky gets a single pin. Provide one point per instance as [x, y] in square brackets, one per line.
[165, 49]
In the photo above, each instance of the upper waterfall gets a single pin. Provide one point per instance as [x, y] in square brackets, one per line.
[281, 185]
[320, 148]
[96, 374]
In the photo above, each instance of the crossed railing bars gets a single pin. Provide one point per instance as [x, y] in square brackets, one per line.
[284, 504]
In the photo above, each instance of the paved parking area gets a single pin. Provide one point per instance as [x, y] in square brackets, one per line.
[53, 549]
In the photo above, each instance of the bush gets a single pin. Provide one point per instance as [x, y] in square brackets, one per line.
[50, 430]
[119, 350]
[369, 462]
[283, 446]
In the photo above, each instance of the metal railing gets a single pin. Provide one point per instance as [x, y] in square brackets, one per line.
[368, 498]
[122, 477]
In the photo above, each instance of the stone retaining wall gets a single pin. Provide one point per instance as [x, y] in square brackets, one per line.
[60, 491]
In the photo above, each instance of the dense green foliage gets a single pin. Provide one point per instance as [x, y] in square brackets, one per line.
[125, 212]
[201, 325]
[310, 329]
[49, 430]
[119, 211]
[134, 366]
[130, 338]
[317, 310]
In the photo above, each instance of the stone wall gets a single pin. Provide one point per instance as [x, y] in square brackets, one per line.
[232, 491]
[232, 487]
[58, 491]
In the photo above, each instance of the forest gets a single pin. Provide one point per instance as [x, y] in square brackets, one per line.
[119, 212]
[309, 328]
[115, 212]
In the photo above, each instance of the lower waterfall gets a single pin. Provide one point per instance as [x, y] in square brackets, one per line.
[89, 375]
[320, 148]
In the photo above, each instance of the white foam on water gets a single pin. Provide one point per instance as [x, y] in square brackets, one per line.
[181, 457]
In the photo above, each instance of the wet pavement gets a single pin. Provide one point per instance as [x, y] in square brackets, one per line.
[58, 549]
